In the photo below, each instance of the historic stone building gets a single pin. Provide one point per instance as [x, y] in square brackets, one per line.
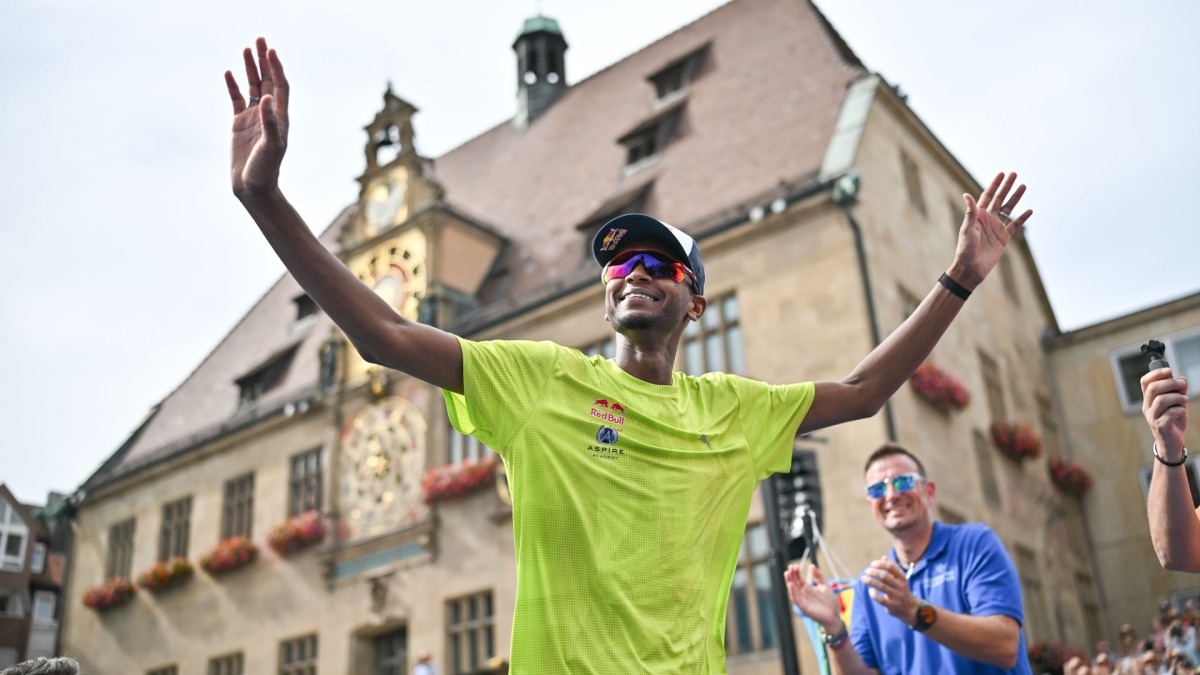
[1096, 373]
[825, 209]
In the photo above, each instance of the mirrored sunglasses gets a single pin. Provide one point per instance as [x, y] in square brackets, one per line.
[656, 267]
[905, 482]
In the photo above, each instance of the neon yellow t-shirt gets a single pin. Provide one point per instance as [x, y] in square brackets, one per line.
[629, 501]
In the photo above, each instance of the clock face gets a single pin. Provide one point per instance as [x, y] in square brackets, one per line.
[395, 269]
[384, 203]
[384, 461]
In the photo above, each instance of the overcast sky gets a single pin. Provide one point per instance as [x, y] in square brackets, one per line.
[124, 258]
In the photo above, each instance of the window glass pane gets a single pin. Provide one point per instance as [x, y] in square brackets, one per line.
[713, 352]
[756, 541]
[693, 360]
[729, 309]
[1132, 367]
[711, 320]
[739, 603]
[1187, 352]
[762, 596]
[737, 353]
[43, 605]
[456, 446]
[692, 328]
[13, 546]
[3, 511]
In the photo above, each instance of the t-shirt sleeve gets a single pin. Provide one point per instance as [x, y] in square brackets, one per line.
[502, 383]
[770, 415]
[992, 585]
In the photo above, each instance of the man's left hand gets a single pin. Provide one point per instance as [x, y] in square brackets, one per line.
[987, 227]
[888, 585]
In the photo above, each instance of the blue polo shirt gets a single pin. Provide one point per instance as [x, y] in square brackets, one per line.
[964, 570]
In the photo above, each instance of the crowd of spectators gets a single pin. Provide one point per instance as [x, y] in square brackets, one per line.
[1169, 648]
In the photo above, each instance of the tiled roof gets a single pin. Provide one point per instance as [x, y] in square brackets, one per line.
[759, 112]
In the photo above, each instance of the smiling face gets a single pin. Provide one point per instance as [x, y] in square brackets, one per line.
[901, 513]
[638, 302]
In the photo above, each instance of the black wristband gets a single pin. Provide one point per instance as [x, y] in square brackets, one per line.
[1154, 449]
[953, 286]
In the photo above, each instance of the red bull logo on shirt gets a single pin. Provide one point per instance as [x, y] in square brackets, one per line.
[609, 411]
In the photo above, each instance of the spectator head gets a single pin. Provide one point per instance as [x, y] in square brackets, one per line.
[44, 666]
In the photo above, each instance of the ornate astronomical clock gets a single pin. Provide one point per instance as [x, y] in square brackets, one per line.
[382, 466]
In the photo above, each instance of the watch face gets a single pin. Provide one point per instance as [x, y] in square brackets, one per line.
[384, 453]
[926, 615]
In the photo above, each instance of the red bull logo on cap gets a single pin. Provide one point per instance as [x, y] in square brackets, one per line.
[612, 239]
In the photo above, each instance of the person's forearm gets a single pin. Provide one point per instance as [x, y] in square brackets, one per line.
[845, 660]
[356, 309]
[994, 640]
[1174, 527]
[890, 364]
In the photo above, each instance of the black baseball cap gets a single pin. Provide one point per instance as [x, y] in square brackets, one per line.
[637, 227]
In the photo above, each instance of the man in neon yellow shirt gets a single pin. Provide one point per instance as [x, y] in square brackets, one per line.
[631, 483]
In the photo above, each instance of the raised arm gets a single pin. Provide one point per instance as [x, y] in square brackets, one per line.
[985, 232]
[260, 133]
[1174, 524]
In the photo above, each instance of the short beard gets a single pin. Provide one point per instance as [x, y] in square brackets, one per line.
[626, 322]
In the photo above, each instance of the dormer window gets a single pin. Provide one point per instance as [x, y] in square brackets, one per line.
[648, 140]
[264, 378]
[306, 308]
[673, 80]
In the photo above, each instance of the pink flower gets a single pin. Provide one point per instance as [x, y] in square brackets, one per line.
[939, 388]
[231, 554]
[297, 532]
[1069, 476]
[452, 480]
[166, 574]
[112, 593]
[1016, 440]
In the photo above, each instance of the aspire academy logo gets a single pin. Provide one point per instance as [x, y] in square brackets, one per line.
[609, 411]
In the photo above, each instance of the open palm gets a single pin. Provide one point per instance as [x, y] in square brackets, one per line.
[260, 124]
[987, 228]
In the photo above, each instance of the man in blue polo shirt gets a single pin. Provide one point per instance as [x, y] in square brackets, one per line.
[946, 599]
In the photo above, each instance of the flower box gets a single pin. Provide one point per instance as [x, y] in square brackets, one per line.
[1047, 656]
[229, 555]
[939, 388]
[297, 532]
[1069, 476]
[166, 574]
[453, 480]
[113, 592]
[1016, 440]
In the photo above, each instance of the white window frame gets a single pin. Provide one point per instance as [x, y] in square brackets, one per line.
[41, 600]
[37, 562]
[1170, 340]
[465, 448]
[1193, 470]
[13, 525]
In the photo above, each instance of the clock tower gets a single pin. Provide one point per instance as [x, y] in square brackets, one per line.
[427, 261]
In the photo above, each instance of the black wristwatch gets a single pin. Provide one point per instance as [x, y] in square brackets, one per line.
[926, 616]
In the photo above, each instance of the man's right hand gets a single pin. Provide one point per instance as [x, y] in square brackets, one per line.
[1164, 405]
[260, 123]
[814, 597]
